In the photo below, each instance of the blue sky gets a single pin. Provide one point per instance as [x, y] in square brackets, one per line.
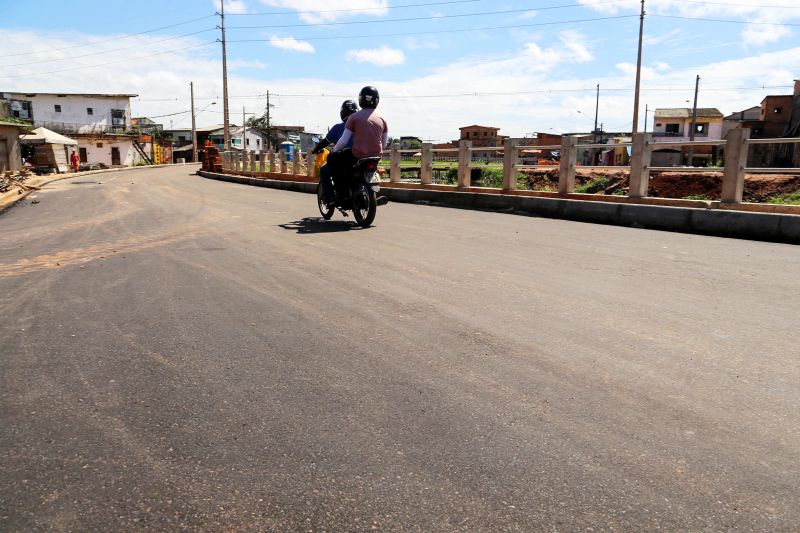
[520, 65]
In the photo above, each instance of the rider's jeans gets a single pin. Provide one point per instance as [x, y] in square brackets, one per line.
[325, 174]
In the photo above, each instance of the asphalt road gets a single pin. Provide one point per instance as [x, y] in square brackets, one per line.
[180, 353]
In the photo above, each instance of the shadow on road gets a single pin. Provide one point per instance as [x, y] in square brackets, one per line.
[319, 225]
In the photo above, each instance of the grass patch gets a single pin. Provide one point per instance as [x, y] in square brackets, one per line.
[788, 199]
[598, 184]
[703, 197]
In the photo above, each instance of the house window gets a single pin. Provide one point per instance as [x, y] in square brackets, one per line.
[58, 108]
[248, 142]
[673, 129]
[258, 142]
[181, 137]
[89, 111]
[485, 133]
[83, 155]
[118, 117]
[658, 124]
[778, 110]
[701, 129]
[99, 145]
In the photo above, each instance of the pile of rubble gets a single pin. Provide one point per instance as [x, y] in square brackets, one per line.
[15, 180]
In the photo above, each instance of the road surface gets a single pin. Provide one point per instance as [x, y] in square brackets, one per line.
[180, 353]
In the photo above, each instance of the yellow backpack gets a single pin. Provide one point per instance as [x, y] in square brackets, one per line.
[321, 159]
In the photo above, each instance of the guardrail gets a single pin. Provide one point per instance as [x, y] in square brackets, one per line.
[736, 145]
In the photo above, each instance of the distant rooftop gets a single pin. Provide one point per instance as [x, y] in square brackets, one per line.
[477, 126]
[686, 112]
[91, 95]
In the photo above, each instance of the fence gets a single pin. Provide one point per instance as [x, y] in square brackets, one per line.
[736, 145]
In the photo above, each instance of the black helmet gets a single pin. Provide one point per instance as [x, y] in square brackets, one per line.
[369, 97]
[348, 108]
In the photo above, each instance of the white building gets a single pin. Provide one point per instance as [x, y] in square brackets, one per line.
[73, 113]
[101, 123]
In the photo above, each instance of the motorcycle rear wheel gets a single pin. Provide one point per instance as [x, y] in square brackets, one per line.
[365, 205]
[325, 209]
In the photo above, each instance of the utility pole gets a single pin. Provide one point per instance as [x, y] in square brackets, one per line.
[269, 138]
[596, 112]
[226, 129]
[646, 110]
[638, 73]
[244, 132]
[194, 126]
[694, 121]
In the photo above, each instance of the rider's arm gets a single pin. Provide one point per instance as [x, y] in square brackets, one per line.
[385, 139]
[324, 143]
[343, 141]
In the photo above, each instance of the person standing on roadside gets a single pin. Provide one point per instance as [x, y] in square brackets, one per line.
[75, 160]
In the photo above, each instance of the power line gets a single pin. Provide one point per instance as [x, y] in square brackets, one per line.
[126, 60]
[350, 10]
[105, 51]
[412, 19]
[437, 32]
[729, 21]
[127, 36]
[730, 4]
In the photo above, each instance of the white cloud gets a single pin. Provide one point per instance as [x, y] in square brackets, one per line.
[772, 11]
[575, 43]
[232, 7]
[382, 57]
[290, 43]
[320, 11]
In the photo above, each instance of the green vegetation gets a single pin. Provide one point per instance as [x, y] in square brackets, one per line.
[596, 185]
[788, 199]
[15, 120]
[704, 197]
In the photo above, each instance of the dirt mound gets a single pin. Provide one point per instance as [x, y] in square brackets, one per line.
[696, 185]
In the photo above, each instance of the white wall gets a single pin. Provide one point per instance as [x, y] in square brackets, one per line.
[256, 141]
[94, 154]
[74, 114]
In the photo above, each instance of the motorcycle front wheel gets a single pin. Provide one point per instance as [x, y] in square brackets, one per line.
[365, 205]
[326, 209]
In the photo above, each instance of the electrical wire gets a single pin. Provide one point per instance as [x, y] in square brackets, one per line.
[436, 32]
[93, 43]
[106, 51]
[415, 19]
[126, 60]
[729, 21]
[350, 10]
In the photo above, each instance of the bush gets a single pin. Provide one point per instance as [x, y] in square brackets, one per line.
[598, 184]
[790, 199]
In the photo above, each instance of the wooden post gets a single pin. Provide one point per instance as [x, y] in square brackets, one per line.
[298, 156]
[510, 162]
[569, 156]
[735, 164]
[464, 159]
[426, 164]
[271, 157]
[282, 159]
[641, 154]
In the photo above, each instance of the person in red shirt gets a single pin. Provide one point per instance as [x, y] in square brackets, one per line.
[366, 130]
[75, 160]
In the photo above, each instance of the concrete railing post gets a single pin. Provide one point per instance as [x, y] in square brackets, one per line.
[245, 161]
[464, 159]
[510, 162]
[271, 159]
[282, 159]
[395, 174]
[426, 164]
[311, 160]
[252, 161]
[224, 157]
[569, 157]
[238, 161]
[296, 160]
[641, 154]
[261, 161]
[735, 164]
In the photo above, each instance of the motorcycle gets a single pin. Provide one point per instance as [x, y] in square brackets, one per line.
[356, 190]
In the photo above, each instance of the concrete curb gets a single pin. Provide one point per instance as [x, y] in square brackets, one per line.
[10, 198]
[771, 227]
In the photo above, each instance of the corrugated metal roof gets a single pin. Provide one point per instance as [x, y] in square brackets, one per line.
[686, 112]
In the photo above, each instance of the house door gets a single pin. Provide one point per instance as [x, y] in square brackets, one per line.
[82, 155]
[115, 156]
[4, 163]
